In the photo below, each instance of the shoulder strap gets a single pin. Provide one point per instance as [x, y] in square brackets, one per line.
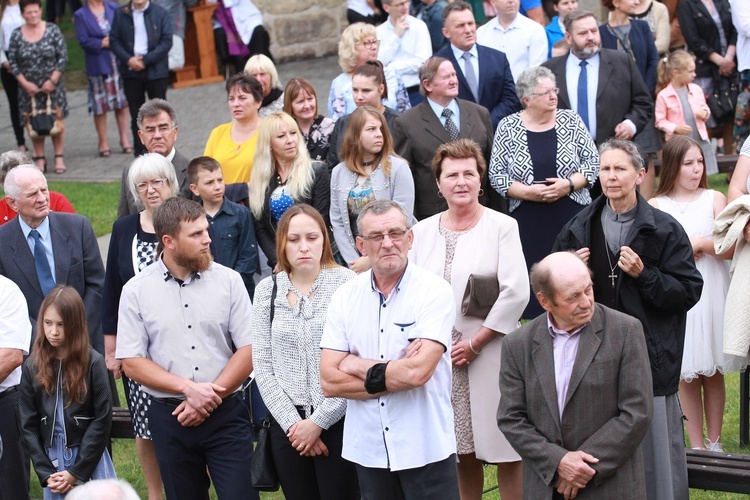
[273, 297]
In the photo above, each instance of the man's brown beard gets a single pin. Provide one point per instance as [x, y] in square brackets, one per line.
[194, 264]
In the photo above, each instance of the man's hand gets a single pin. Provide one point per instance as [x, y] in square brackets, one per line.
[623, 131]
[114, 365]
[566, 489]
[135, 63]
[584, 253]
[574, 470]
[303, 435]
[630, 262]
[203, 396]
[188, 416]
[400, 26]
[360, 265]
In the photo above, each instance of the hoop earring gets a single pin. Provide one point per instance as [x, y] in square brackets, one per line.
[481, 192]
[440, 194]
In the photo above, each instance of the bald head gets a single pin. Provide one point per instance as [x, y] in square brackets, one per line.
[562, 284]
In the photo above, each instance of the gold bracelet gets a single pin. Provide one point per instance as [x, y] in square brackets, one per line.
[471, 346]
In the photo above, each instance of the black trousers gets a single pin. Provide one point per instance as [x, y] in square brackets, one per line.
[435, 481]
[223, 443]
[315, 478]
[10, 84]
[14, 463]
[135, 92]
[260, 43]
[56, 8]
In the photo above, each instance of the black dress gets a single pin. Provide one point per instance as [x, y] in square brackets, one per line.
[539, 223]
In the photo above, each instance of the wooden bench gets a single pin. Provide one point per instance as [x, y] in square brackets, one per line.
[725, 163]
[122, 427]
[717, 471]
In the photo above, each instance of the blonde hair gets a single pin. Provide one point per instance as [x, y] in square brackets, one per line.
[676, 61]
[264, 63]
[301, 177]
[352, 35]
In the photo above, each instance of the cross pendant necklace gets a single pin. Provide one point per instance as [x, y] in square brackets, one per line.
[612, 274]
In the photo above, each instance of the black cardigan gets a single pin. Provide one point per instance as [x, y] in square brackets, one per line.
[701, 34]
[320, 199]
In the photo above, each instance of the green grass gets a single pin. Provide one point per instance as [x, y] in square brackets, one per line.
[97, 201]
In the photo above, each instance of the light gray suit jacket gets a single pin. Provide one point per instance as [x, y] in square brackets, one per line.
[78, 264]
[607, 411]
[127, 204]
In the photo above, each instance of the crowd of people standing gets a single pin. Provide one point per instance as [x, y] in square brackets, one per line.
[462, 181]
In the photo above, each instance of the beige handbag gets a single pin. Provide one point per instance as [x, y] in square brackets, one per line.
[44, 123]
[480, 295]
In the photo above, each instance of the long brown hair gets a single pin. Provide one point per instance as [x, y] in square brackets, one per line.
[282, 232]
[352, 152]
[671, 162]
[76, 363]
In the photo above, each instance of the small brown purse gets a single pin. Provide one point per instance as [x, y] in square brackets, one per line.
[480, 295]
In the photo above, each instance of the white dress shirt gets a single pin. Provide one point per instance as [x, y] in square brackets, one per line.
[524, 42]
[15, 327]
[572, 72]
[405, 54]
[404, 429]
[140, 43]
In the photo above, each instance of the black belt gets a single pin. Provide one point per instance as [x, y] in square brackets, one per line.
[413, 88]
[175, 402]
[8, 391]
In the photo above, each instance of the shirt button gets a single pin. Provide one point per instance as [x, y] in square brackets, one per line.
[196, 368]
[381, 356]
[192, 347]
[190, 326]
[386, 429]
[383, 305]
[186, 305]
[381, 330]
[382, 404]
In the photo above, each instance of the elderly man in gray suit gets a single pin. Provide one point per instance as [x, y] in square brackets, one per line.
[39, 249]
[576, 390]
[157, 129]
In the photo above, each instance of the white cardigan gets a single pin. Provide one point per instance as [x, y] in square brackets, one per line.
[493, 246]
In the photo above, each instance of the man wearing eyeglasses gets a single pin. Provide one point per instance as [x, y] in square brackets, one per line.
[404, 45]
[157, 129]
[385, 347]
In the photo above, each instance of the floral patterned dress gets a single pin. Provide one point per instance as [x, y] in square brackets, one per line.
[36, 61]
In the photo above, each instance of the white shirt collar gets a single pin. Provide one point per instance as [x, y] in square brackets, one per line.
[457, 53]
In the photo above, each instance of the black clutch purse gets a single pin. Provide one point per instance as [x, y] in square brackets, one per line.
[480, 295]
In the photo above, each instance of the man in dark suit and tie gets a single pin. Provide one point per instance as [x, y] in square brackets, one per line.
[157, 129]
[484, 74]
[39, 249]
[440, 118]
[576, 390]
[603, 86]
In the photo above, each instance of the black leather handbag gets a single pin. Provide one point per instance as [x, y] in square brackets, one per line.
[46, 122]
[262, 469]
[723, 100]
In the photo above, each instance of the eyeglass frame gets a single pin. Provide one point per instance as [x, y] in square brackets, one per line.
[158, 183]
[370, 44]
[395, 236]
[555, 90]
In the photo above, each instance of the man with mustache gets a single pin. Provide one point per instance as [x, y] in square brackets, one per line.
[184, 326]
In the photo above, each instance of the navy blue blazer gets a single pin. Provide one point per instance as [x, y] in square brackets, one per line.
[497, 90]
[90, 35]
[644, 50]
[159, 32]
[78, 264]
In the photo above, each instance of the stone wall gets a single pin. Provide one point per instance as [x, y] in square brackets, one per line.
[302, 29]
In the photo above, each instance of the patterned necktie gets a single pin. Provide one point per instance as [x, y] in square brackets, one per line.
[42, 264]
[450, 125]
[471, 77]
[583, 95]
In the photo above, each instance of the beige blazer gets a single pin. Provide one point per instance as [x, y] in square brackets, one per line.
[493, 246]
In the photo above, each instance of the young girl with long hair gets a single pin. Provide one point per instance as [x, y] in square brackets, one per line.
[65, 406]
[681, 107]
[369, 170]
[684, 194]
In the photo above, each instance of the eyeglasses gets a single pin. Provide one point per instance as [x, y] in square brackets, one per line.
[155, 183]
[548, 93]
[163, 130]
[393, 236]
[370, 44]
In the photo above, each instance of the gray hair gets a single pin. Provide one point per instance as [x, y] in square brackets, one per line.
[11, 187]
[103, 489]
[628, 147]
[379, 207]
[151, 166]
[152, 108]
[12, 159]
[529, 80]
[575, 16]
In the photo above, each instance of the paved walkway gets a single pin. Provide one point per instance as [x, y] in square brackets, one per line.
[199, 110]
